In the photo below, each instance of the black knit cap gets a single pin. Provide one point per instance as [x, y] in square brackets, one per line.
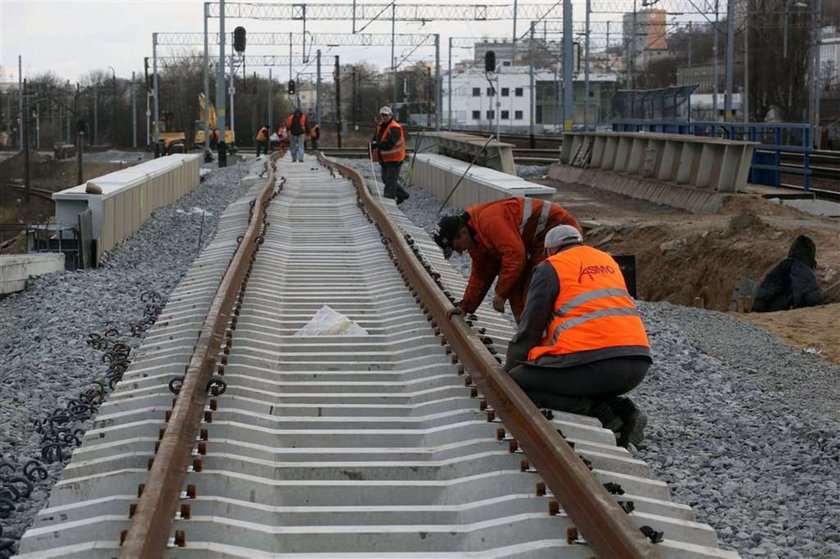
[448, 228]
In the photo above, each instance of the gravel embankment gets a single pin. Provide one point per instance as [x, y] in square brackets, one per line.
[742, 427]
[44, 358]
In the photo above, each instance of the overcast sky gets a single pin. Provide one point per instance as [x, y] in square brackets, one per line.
[72, 37]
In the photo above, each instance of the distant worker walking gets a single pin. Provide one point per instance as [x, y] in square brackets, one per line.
[388, 146]
[791, 284]
[581, 343]
[505, 239]
[262, 140]
[298, 127]
[315, 135]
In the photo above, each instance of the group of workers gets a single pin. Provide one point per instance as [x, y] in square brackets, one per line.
[290, 134]
[580, 344]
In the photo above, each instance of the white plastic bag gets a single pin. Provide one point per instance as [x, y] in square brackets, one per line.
[274, 137]
[327, 322]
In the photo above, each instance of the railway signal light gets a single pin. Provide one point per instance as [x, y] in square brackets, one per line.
[490, 61]
[239, 39]
[291, 87]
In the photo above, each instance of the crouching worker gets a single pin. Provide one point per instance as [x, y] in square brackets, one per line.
[791, 284]
[581, 343]
[505, 239]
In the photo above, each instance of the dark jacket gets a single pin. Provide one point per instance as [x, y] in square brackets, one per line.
[388, 143]
[791, 283]
[539, 308]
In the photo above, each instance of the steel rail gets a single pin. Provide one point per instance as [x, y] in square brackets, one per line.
[150, 526]
[606, 527]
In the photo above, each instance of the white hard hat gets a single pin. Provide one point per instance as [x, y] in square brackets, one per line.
[385, 110]
[562, 235]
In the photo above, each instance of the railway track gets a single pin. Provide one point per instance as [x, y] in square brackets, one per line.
[407, 442]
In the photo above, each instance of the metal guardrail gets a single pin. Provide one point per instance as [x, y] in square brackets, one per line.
[607, 528]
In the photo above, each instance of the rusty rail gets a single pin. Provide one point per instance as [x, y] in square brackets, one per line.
[151, 524]
[607, 528]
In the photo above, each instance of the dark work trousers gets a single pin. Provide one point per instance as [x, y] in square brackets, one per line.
[391, 180]
[262, 146]
[581, 389]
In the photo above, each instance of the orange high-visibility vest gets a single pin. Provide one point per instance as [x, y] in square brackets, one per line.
[313, 132]
[290, 121]
[593, 310]
[262, 135]
[397, 153]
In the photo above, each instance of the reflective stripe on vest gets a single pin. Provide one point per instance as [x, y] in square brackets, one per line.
[593, 309]
[528, 210]
[397, 153]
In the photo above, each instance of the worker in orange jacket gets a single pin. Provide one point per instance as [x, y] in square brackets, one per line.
[504, 238]
[262, 140]
[581, 344]
[298, 127]
[315, 136]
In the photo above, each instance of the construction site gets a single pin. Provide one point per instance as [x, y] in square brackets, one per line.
[349, 279]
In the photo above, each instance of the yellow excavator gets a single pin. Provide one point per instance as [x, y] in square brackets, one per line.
[211, 123]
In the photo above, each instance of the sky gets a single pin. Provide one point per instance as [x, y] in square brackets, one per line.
[73, 37]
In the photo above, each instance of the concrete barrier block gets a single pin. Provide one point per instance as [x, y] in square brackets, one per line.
[15, 269]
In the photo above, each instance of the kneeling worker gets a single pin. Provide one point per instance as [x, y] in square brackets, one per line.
[504, 238]
[581, 343]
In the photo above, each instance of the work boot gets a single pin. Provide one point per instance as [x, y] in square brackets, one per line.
[607, 416]
[633, 422]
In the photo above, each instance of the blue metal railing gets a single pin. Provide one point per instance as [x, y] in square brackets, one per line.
[776, 139]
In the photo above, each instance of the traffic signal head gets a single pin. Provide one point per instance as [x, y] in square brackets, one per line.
[239, 39]
[291, 87]
[490, 61]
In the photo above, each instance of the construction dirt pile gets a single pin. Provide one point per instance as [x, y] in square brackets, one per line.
[709, 260]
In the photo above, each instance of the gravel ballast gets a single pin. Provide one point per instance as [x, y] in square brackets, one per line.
[44, 358]
[740, 425]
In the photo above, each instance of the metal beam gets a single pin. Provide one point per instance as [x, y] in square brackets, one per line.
[274, 39]
[250, 60]
[443, 11]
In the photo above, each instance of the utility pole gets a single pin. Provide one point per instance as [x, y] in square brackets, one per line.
[220, 88]
[715, 71]
[338, 101]
[96, 114]
[815, 33]
[270, 101]
[20, 101]
[393, 55]
[206, 83]
[438, 84]
[689, 43]
[631, 47]
[586, 68]
[449, 86]
[232, 95]
[133, 112]
[80, 141]
[745, 102]
[156, 87]
[568, 68]
[318, 85]
[730, 60]
[113, 105]
[148, 101]
[532, 107]
[26, 171]
[354, 115]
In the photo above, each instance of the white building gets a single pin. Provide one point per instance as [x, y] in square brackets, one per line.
[474, 103]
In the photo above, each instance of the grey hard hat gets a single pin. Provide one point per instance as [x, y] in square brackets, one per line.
[562, 235]
[385, 110]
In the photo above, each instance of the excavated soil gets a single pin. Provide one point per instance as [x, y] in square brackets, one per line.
[696, 259]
